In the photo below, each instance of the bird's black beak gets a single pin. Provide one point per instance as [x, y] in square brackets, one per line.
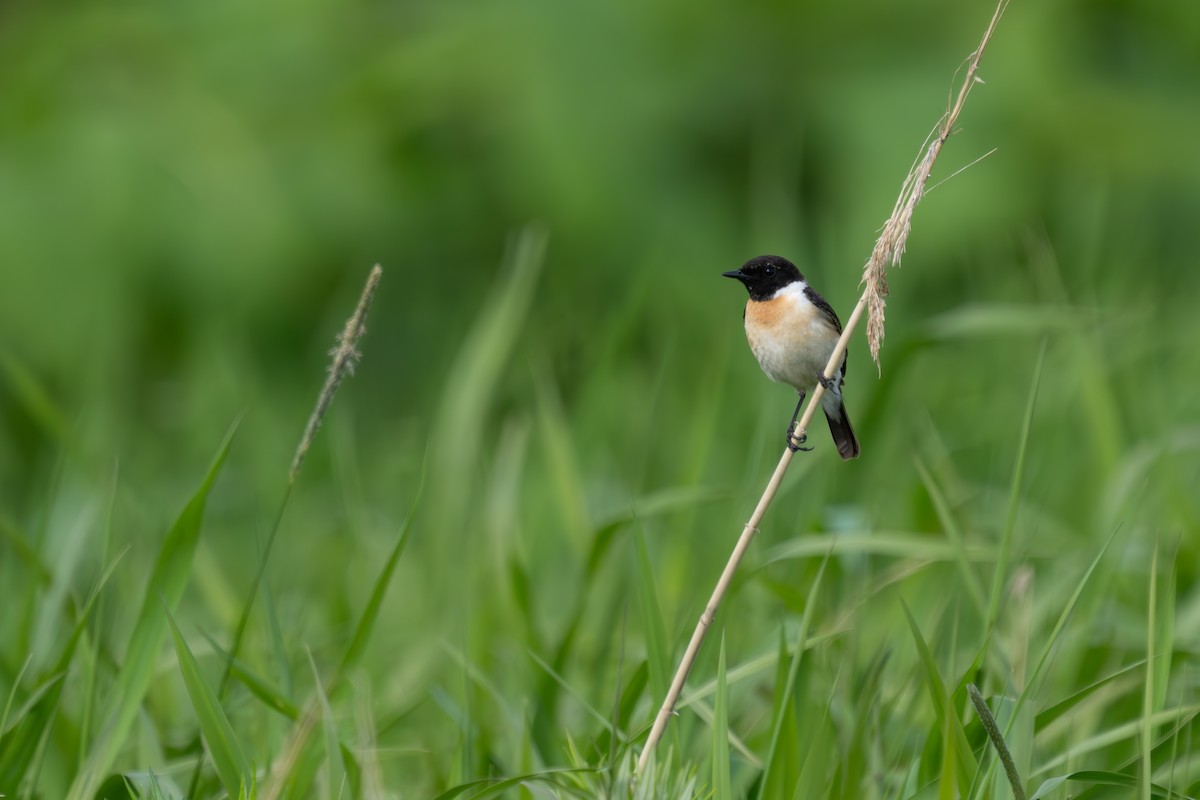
[735, 273]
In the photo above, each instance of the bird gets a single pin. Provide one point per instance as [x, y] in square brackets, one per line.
[792, 332]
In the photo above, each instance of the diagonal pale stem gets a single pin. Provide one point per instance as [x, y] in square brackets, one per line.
[887, 252]
[743, 543]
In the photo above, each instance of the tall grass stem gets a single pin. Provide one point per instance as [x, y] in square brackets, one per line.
[344, 357]
[887, 252]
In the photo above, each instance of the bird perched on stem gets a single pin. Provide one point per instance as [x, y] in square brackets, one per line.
[792, 332]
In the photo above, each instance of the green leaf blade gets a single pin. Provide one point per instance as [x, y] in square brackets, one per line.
[233, 767]
[165, 586]
[722, 781]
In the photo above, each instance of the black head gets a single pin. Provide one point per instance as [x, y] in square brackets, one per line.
[765, 275]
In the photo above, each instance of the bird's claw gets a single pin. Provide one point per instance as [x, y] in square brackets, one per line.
[795, 443]
[828, 383]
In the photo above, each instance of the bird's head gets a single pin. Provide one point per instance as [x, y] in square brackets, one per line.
[765, 275]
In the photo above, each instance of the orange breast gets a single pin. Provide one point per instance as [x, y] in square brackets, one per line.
[784, 315]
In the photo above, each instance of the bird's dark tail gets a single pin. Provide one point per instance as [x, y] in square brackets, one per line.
[843, 434]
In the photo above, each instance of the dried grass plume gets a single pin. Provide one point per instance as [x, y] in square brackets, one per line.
[889, 248]
[345, 356]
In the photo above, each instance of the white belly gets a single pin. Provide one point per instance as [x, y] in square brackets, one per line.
[797, 360]
[790, 337]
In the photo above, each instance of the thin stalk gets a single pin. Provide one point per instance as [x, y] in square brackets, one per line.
[343, 359]
[887, 252]
[743, 544]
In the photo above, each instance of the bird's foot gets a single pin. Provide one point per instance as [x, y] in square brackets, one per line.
[828, 383]
[796, 443]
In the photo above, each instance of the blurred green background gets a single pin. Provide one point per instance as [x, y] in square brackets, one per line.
[192, 195]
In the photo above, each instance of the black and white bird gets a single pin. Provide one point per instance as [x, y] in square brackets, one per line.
[792, 332]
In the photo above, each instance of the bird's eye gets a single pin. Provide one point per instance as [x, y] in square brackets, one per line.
[769, 271]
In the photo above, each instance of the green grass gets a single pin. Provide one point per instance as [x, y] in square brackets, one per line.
[482, 580]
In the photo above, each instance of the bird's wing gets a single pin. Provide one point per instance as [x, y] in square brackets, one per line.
[827, 311]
